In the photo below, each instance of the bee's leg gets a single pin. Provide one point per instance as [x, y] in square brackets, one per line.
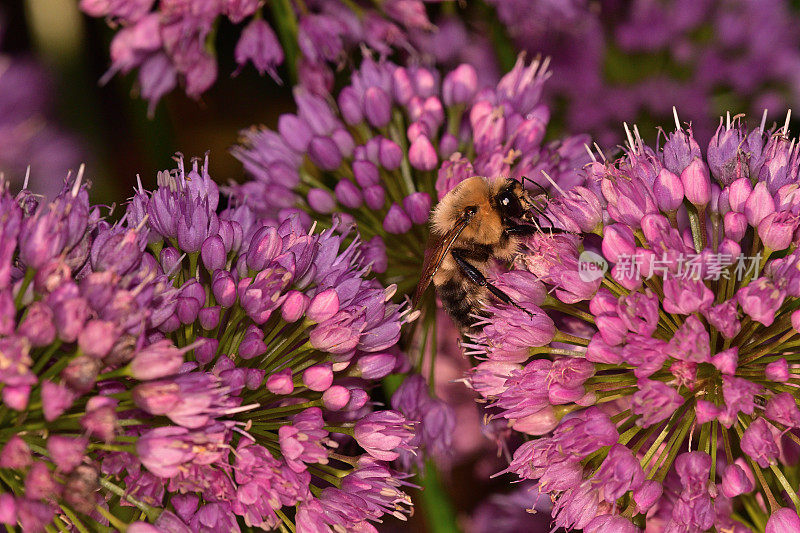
[543, 214]
[477, 277]
[512, 228]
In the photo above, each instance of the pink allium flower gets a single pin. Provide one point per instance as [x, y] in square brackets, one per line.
[152, 363]
[676, 408]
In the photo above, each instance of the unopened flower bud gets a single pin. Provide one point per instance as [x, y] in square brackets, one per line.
[735, 225]
[318, 377]
[390, 154]
[321, 201]
[224, 288]
[81, 373]
[66, 452]
[349, 107]
[348, 194]
[459, 85]
[418, 207]
[647, 494]
[376, 366]
[97, 338]
[324, 153]
[158, 360]
[776, 230]
[281, 382]
[335, 397]
[668, 191]
[396, 220]
[784, 520]
[374, 196]
[323, 306]
[80, 489]
[759, 204]
[422, 155]
[15, 454]
[213, 253]
[377, 107]
[777, 370]
[696, 183]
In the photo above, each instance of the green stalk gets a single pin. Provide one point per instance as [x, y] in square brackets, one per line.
[439, 512]
[286, 24]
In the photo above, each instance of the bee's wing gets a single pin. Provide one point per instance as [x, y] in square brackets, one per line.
[435, 252]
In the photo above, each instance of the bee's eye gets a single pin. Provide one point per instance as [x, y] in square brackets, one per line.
[510, 203]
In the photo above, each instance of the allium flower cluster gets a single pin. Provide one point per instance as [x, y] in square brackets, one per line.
[208, 368]
[654, 346]
[397, 140]
[641, 57]
[172, 42]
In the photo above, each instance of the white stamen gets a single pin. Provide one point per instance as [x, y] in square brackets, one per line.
[728, 120]
[27, 177]
[630, 137]
[192, 346]
[786, 123]
[589, 150]
[241, 408]
[175, 266]
[142, 223]
[599, 151]
[244, 433]
[554, 184]
[147, 279]
[763, 122]
[677, 120]
[638, 137]
[139, 183]
[389, 292]
[76, 187]
[313, 227]
[412, 316]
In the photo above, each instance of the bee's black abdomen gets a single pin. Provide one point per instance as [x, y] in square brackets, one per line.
[458, 303]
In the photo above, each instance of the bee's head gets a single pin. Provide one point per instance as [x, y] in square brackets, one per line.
[514, 201]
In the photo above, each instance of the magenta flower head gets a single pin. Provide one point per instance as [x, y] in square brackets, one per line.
[684, 333]
[138, 355]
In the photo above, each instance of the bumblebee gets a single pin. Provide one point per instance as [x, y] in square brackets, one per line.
[478, 220]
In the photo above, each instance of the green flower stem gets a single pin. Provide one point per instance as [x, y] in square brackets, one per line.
[552, 303]
[566, 338]
[439, 512]
[42, 360]
[113, 520]
[286, 520]
[29, 273]
[151, 512]
[74, 519]
[674, 447]
[286, 24]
